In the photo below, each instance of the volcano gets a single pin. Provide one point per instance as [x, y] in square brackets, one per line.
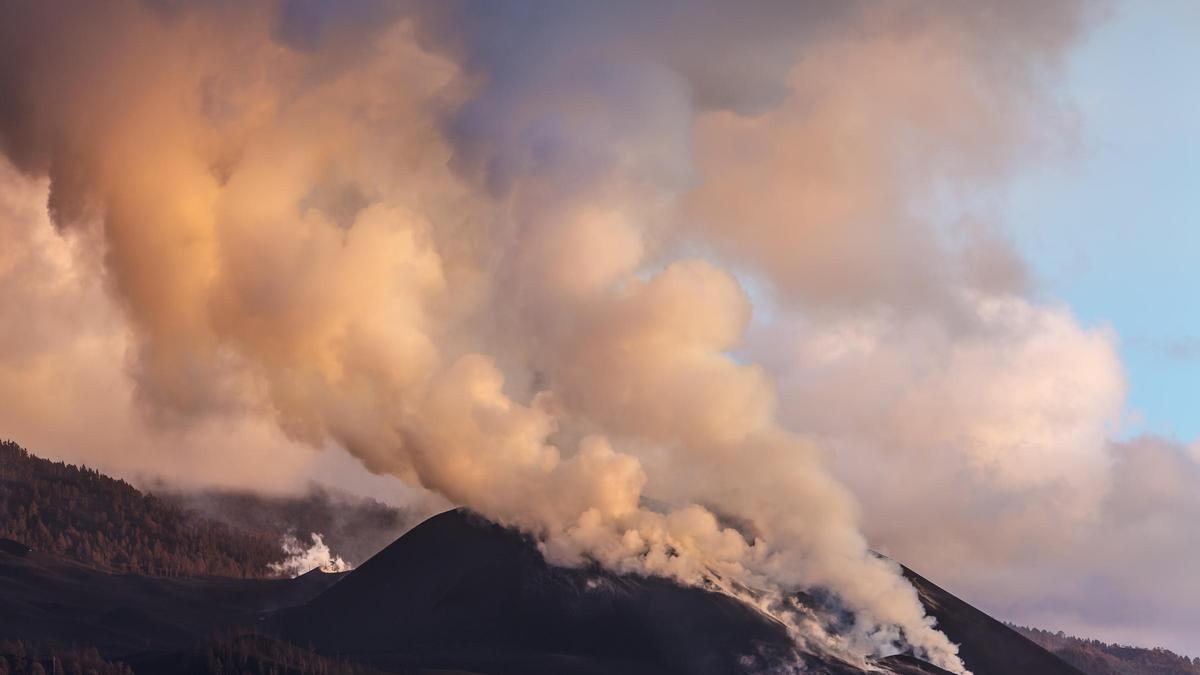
[458, 594]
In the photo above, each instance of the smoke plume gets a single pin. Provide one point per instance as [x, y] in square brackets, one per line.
[301, 559]
[501, 251]
[357, 528]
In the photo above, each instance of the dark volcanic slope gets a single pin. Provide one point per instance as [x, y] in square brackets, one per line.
[987, 646]
[44, 597]
[457, 592]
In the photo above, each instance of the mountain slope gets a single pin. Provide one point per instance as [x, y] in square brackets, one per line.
[458, 592]
[455, 593]
[80, 513]
[987, 646]
[47, 598]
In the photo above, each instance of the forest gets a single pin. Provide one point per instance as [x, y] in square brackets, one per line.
[82, 514]
[1099, 658]
[240, 654]
[251, 653]
[18, 657]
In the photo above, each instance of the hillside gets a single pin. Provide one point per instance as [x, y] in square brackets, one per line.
[454, 595]
[1094, 657]
[986, 645]
[252, 652]
[20, 658]
[233, 655]
[152, 624]
[82, 514]
[479, 598]
[354, 527]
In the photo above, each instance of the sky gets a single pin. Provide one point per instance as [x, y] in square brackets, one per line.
[908, 276]
[1113, 229]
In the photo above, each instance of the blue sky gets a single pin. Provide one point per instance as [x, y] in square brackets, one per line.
[1114, 231]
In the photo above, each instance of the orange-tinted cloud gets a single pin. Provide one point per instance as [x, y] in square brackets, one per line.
[489, 252]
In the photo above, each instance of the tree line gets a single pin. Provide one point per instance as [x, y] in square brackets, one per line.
[18, 657]
[1094, 657]
[79, 513]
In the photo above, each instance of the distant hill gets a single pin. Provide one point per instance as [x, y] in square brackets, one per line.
[84, 515]
[1094, 657]
[354, 527]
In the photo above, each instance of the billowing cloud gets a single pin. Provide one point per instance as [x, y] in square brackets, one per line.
[830, 194]
[1023, 403]
[1126, 574]
[967, 450]
[495, 251]
[65, 386]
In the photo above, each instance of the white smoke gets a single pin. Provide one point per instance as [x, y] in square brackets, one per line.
[302, 559]
[486, 249]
